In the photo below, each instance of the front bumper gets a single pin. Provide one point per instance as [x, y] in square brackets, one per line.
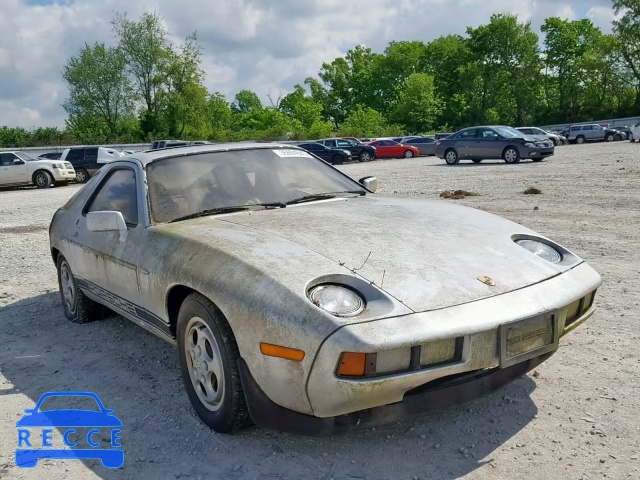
[477, 323]
[454, 391]
[537, 152]
[63, 175]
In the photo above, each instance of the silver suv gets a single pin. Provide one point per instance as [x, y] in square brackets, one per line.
[589, 133]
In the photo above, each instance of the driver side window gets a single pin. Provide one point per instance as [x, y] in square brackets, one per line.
[118, 194]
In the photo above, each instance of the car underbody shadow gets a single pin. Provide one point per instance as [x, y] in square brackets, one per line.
[137, 375]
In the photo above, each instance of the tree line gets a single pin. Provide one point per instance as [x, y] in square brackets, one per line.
[144, 87]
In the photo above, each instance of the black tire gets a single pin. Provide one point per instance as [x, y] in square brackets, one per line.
[451, 157]
[42, 179]
[80, 308]
[409, 154]
[555, 142]
[631, 139]
[197, 314]
[477, 160]
[337, 159]
[580, 139]
[610, 137]
[82, 176]
[365, 157]
[618, 138]
[511, 155]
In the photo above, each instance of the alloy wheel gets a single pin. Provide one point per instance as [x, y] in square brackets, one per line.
[204, 362]
[68, 287]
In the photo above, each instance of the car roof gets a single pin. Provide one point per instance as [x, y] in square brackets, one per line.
[153, 155]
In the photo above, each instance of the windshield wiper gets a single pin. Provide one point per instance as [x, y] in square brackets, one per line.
[323, 196]
[236, 208]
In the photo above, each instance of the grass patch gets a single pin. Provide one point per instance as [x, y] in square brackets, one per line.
[458, 194]
[532, 191]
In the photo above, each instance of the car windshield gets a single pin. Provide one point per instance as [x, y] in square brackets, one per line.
[185, 186]
[508, 132]
[26, 157]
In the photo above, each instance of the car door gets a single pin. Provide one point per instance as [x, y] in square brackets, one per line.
[91, 160]
[487, 144]
[106, 263]
[597, 132]
[14, 169]
[465, 143]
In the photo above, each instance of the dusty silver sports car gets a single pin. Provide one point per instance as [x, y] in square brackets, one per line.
[300, 300]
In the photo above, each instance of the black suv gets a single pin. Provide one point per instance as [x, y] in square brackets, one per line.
[88, 160]
[330, 155]
[364, 153]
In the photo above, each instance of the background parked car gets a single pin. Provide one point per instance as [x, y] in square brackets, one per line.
[364, 153]
[88, 160]
[19, 168]
[391, 149]
[592, 133]
[478, 143]
[426, 145]
[635, 133]
[331, 155]
[51, 155]
[540, 134]
[624, 131]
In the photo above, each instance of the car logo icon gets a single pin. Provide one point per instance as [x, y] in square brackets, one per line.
[98, 421]
[487, 281]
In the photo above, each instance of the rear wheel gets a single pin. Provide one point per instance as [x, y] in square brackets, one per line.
[511, 155]
[580, 140]
[82, 176]
[451, 157]
[617, 138]
[208, 355]
[408, 154]
[77, 306]
[42, 179]
[610, 137]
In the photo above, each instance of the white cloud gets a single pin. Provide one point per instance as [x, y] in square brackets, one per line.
[258, 45]
[602, 17]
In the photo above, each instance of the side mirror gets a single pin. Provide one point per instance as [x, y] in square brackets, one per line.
[370, 183]
[107, 222]
[17, 161]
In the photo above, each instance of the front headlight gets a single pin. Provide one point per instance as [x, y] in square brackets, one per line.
[542, 250]
[348, 152]
[337, 300]
[530, 145]
[56, 165]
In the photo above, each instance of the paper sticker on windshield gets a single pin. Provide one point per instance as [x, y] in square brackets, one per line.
[290, 152]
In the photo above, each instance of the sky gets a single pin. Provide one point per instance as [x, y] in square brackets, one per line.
[262, 45]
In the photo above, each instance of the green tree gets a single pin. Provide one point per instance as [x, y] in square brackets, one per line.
[301, 107]
[627, 31]
[507, 62]
[418, 108]
[363, 122]
[148, 55]
[99, 88]
[246, 101]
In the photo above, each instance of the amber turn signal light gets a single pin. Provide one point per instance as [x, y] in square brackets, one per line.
[352, 364]
[282, 352]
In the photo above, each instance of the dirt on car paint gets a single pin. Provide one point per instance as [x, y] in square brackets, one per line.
[575, 416]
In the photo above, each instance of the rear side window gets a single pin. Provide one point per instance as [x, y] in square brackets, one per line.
[468, 134]
[75, 154]
[118, 194]
[91, 155]
[587, 127]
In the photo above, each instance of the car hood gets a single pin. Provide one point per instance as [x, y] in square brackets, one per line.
[427, 254]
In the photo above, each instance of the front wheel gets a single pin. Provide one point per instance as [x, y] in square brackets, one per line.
[610, 137]
[451, 157]
[208, 356]
[511, 155]
[42, 179]
[365, 157]
[337, 159]
[408, 154]
[617, 138]
[555, 142]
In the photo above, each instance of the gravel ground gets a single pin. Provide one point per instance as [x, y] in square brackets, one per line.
[575, 417]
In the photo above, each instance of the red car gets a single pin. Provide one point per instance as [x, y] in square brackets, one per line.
[389, 148]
